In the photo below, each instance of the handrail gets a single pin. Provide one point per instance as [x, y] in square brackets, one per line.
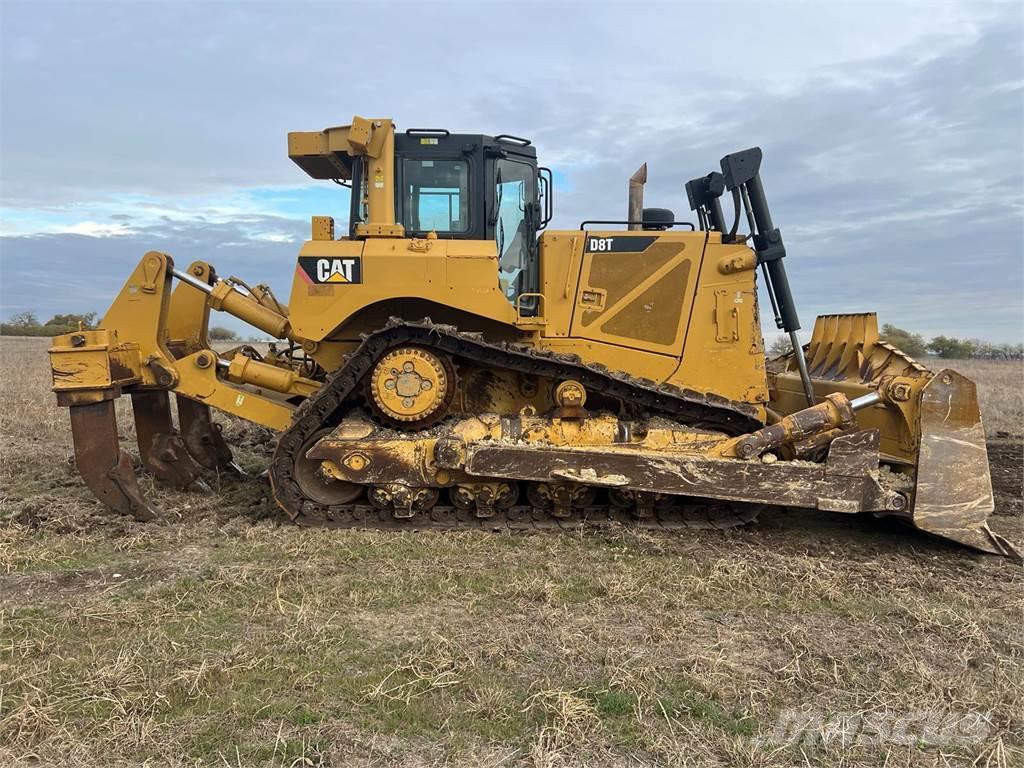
[427, 132]
[653, 224]
[537, 319]
[508, 138]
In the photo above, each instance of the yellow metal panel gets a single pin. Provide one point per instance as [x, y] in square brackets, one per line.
[471, 249]
[80, 368]
[727, 326]
[724, 349]
[394, 269]
[323, 228]
[337, 139]
[627, 331]
[359, 134]
[646, 294]
[636, 362]
[560, 257]
[189, 313]
[81, 360]
[139, 314]
[92, 359]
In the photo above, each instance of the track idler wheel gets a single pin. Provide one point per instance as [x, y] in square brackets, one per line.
[161, 448]
[315, 484]
[106, 469]
[404, 501]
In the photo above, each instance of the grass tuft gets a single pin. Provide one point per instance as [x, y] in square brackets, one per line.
[224, 638]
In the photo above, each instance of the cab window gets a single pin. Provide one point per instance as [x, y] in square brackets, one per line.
[435, 195]
[514, 196]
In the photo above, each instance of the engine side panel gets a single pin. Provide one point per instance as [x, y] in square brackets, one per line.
[636, 288]
[677, 307]
[723, 351]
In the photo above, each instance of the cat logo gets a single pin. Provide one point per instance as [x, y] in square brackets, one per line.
[335, 270]
[346, 270]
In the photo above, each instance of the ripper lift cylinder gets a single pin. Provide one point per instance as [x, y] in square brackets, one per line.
[245, 370]
[225, 298]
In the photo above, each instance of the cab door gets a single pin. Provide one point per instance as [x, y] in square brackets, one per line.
[636, 288]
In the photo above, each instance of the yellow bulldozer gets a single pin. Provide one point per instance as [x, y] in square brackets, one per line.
[449, 363]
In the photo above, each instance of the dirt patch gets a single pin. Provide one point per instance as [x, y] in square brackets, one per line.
[1006, 463]
[62, 585]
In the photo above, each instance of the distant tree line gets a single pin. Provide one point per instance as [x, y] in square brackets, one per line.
[949, 347]
[27, 324]
[915, 345]
[221, 334]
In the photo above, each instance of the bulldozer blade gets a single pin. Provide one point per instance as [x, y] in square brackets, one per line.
[162, 450]
[954, 497]
[106, 469]
[201, 436]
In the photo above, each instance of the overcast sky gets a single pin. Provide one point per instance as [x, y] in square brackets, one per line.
[893, 132]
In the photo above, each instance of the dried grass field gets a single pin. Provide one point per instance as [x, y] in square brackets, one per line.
[225, 637]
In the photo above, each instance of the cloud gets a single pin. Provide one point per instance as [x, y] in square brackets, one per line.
[66, 272]
[892, 140]
[92, 229]
[192, 98]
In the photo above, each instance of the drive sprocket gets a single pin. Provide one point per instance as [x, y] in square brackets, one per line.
[412, 387]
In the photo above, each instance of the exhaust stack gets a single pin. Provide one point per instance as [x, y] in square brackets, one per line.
[635, 214]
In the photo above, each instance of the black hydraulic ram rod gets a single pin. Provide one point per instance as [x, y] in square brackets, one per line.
[741, 172]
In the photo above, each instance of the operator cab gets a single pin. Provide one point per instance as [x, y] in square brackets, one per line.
[472, 187]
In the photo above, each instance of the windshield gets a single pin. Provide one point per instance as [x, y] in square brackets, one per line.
[435, 195]
[514, 198]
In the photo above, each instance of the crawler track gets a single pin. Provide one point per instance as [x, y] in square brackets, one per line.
[329, 404]
[524, 518]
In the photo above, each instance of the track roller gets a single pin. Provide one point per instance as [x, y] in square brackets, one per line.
[640, 503]
[484, 499]
[404, 501]
[560, 498]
